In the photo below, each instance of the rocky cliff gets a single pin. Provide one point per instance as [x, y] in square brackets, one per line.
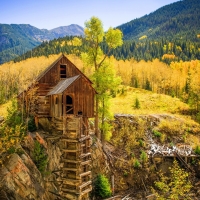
[21, 179]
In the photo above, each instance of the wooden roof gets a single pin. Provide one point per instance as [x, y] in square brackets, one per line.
[52, 65]
[42, 74]
[48, 68]
[63, 85]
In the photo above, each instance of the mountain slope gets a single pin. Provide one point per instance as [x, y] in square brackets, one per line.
[16, 39]
[177, 20]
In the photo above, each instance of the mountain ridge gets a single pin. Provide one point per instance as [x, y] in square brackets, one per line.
[16, 39]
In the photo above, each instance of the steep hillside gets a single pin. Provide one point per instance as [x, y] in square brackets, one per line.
[179, 20]
[16, 39]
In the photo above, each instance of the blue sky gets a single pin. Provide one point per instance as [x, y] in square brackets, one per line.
[50, 14]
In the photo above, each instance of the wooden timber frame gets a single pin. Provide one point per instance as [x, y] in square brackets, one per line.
[63, 97]
[76, 174]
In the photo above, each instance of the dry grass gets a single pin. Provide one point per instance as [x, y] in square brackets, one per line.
[150, 103]
[193, 140]
[4, 107]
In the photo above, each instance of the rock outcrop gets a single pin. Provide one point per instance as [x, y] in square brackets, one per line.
[20, 179]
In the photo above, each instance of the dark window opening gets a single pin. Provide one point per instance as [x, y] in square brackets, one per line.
[69, 105]
[56, 100]
[63, 71]
[80, 113]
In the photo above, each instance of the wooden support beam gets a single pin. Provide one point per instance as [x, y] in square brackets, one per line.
[52, 137]
[86, 191]
[78, 178]
[85, 155]
[70, 169]
[86, 162]
[70, 161]
[84, 138]
[85, 184]
[85, 174]
[68, 140]
[183, 162]
[70, 150]
[71, 182]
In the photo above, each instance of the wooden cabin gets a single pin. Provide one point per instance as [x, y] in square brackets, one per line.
[61, 84]
[62, 100]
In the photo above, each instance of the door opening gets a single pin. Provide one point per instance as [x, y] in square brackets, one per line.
[69, 105]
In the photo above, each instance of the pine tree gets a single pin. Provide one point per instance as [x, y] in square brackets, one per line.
[102, 187]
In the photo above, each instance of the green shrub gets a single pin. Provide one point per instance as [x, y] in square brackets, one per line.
[14, 117]
[102, 187]
[198, 117]
[143, 156]
[141, 142]
[125, 173]
[11, 150]
[12, 130]
[106, 130]
[197, 150]
[31, 124]
[20, 151]
[113, 93]
[157, 133]
[122, 91]
[171, 144]
[40, 157]
[136, 164]
[137, 103]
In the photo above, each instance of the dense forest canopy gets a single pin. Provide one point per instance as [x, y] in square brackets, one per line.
[179, 20]
[165, 50]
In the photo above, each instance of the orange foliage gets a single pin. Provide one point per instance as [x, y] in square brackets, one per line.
[168, 56]
[161, 77]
